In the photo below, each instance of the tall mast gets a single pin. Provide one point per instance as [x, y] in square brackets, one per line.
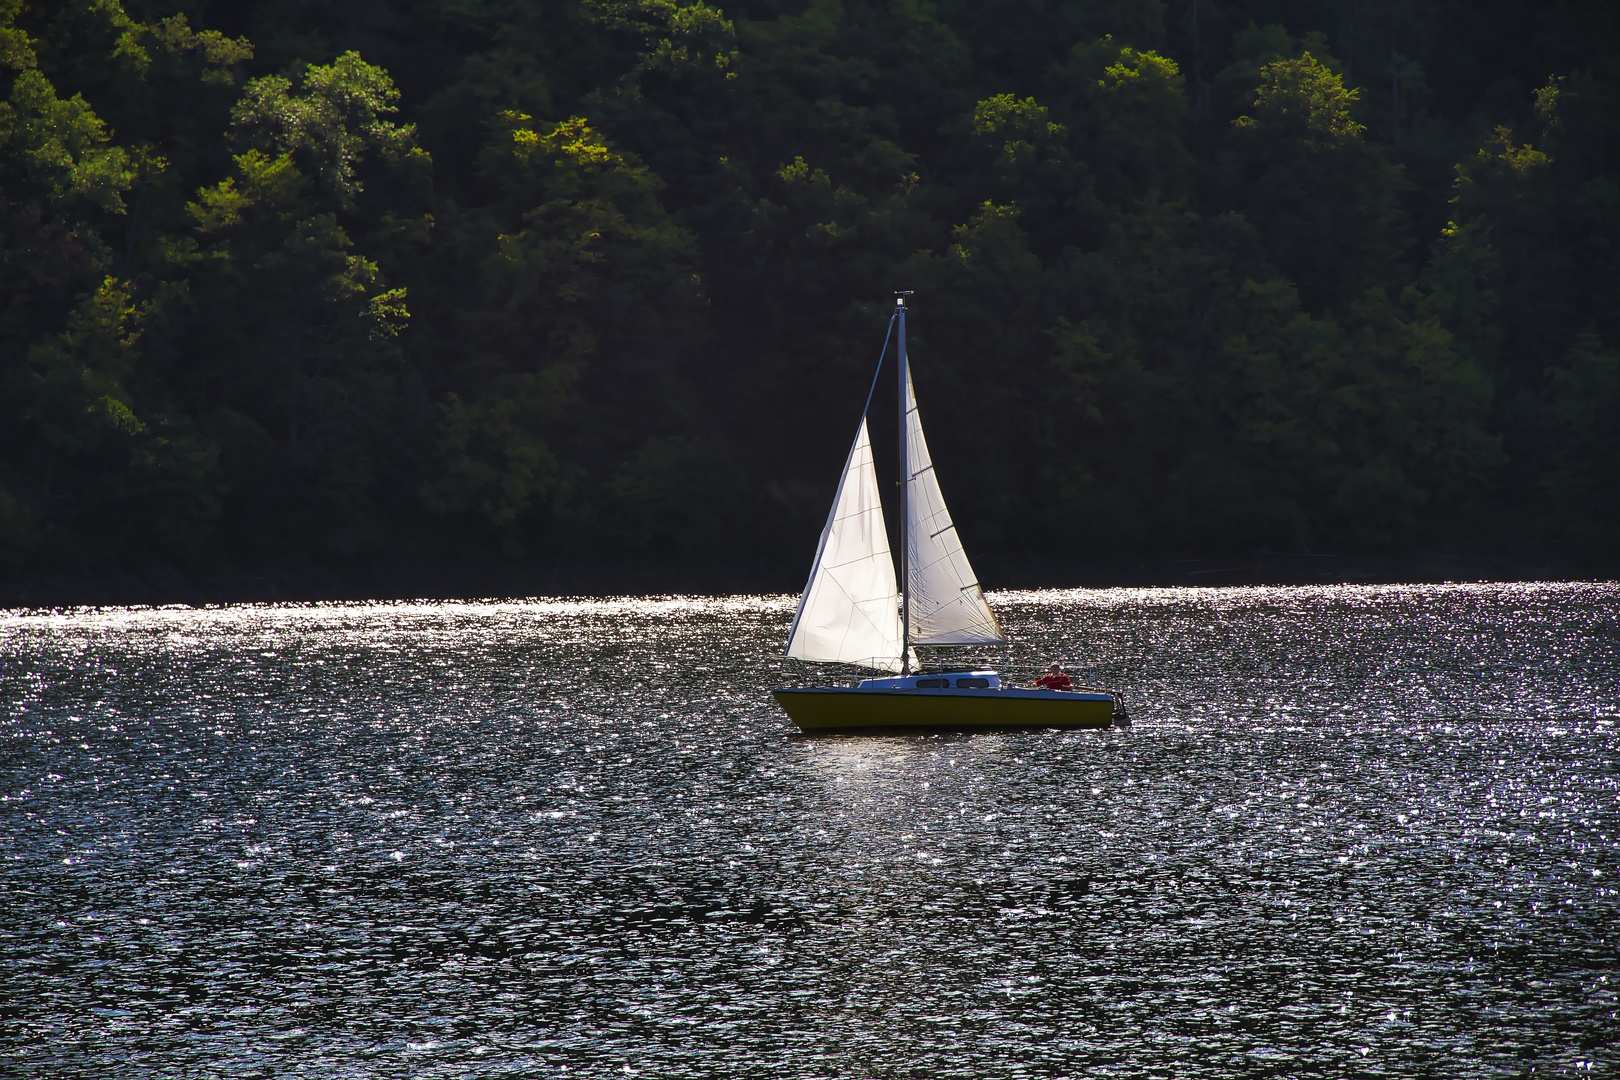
[905, 514]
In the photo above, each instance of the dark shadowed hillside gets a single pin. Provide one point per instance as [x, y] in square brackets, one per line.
[430, 283]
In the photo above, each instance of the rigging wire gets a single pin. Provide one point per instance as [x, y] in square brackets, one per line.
[865, 408]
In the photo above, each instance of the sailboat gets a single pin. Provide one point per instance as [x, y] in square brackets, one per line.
[853, 610]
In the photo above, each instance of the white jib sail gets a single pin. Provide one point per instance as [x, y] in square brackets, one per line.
[850, 610]
[947, 606]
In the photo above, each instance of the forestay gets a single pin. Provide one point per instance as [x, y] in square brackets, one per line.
[946, 605]
[850, 610]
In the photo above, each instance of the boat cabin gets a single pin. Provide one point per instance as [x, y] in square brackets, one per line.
[950, 680]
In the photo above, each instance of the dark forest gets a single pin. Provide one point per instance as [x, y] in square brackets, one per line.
[426, 282]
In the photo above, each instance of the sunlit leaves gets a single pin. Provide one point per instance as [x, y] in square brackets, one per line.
[993, 239]
[59, 149]
[662, 230]
[1301, 99]
[95, 355]
[1016, 132]
[387, 314]
[16, 50]
[217, 54]
[1518, 167]
[262, 183]
[293, 371]
[330, 117]
[585, 210]
[684, 37]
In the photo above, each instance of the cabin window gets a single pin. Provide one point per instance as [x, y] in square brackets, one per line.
[973, 684]
[932, 684]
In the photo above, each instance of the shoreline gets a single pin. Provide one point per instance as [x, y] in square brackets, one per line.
[162, 586]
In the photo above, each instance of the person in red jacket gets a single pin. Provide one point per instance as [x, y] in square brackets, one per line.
[1054, 679]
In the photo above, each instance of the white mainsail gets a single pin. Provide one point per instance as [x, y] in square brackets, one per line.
[850, 610]
[946, 604]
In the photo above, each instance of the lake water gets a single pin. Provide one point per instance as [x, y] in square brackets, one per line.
[1354, 831]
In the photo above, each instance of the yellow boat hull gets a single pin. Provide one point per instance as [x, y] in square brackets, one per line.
[959, 710]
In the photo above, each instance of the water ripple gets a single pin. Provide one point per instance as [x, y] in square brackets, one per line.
[1354, 830]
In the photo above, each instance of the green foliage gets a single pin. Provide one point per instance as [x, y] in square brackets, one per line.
[58, 150]
[671, 498]
[16, 533]
[674, 37]
[1578, 414]
[581, 270]
[1302, 101]
[495, 461]
[1015, 132]
[1133, 112]
[294, 370]
[330, 118]
[215, 54]
[290, 282]
[111, 483]
[1327, 204]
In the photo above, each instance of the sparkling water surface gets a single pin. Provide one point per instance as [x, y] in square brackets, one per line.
[1354, 831]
